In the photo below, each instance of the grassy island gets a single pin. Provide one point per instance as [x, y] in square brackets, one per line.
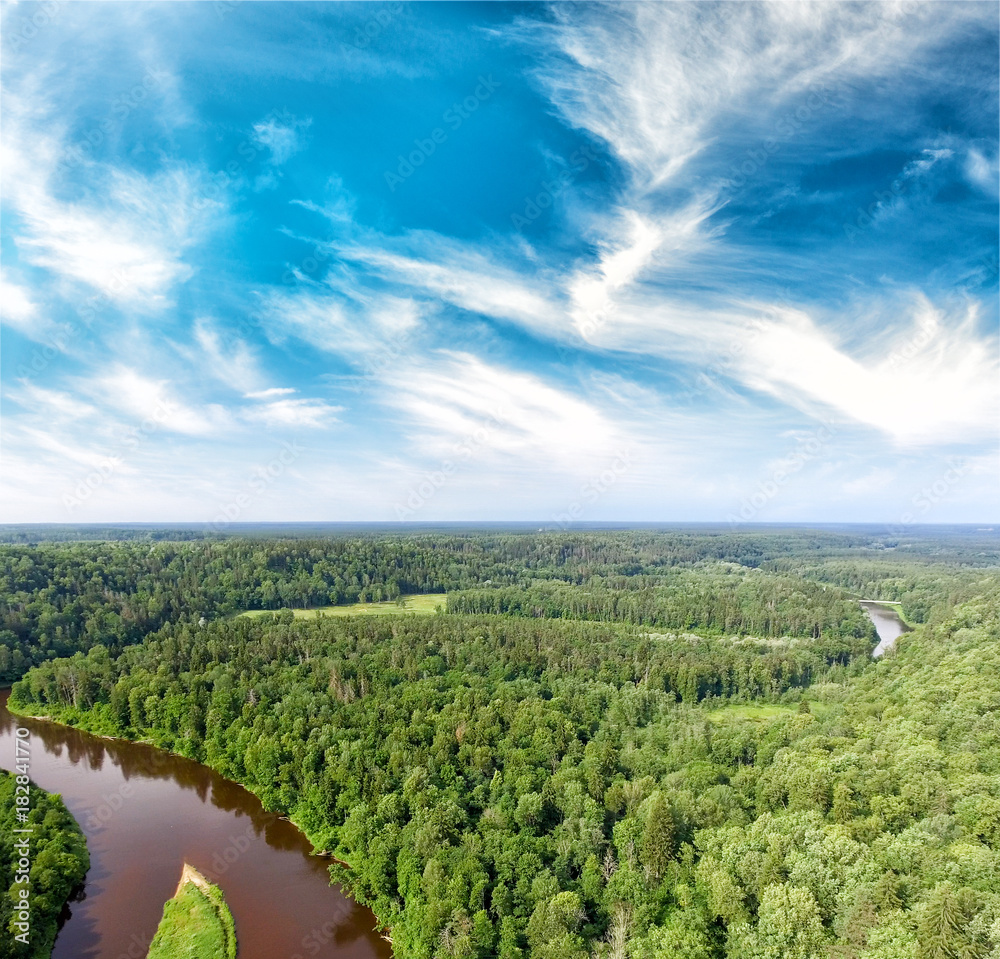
[196, 924]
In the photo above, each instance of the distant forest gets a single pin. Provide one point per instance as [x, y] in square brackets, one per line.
[606, 745]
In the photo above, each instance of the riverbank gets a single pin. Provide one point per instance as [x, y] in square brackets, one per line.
[91, 723]
[895, 606]
[36, 828]
[196, 924]
[133, 796]
[888, 621]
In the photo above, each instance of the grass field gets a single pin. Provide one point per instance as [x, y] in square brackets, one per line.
[420, 603]
[764, 712]
[196, 923]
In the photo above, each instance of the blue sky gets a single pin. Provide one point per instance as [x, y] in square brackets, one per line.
[500, 261]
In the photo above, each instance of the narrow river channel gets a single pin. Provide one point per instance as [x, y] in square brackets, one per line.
[145, 813]
[888, 624]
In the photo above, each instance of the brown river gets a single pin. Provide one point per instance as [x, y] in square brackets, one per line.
[145, 813]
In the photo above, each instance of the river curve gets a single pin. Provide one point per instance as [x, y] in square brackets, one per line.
[145, 813]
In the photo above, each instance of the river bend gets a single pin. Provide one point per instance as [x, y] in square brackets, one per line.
[145, 813]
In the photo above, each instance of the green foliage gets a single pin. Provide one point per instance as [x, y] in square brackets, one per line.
[59, 861]
[720, 599]
[518, 783]
[61, 597]
[659, 838]
[788, 927]
[196, 924]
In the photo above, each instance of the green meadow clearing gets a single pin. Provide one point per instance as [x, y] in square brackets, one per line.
[196, 924]
[420, 603]
[764, 712]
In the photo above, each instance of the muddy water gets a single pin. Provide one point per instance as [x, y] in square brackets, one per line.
[888, 625]
[145, 814]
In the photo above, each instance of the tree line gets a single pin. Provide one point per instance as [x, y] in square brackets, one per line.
[57, 598]
[58, 858]
[506, 786]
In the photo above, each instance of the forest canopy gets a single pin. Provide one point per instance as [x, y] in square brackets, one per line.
[641, 745]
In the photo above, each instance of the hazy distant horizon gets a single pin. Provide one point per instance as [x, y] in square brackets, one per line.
[523, 525]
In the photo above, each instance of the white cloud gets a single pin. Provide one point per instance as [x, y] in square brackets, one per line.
[659, 83]
[465, 276]
[875, 479]
[108, 226]
[231, 362]
[148, 400]
[351, 321]
[657, 80]
[946, 390]
[129, 245]
[17, 309]
[299, 413]
[283, 140]
[270, 393]
[53, 407]
[983, 172]
[455, 405]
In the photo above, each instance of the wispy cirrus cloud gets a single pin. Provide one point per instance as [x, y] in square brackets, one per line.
[282, 139]
[129, 245]
[448, 397]
[102, 225]
[785, 219]
[300, 413]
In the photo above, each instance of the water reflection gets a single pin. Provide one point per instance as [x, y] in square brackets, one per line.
[888, 625]
[145, 813]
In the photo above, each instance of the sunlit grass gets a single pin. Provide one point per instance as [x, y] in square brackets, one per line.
[763, 712]
[420, 603]
[196, 923]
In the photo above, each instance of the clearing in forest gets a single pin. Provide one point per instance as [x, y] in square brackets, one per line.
[421, 603]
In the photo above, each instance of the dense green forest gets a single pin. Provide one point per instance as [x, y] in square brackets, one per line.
[58, 862]
[631, 745]
[57, 598]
